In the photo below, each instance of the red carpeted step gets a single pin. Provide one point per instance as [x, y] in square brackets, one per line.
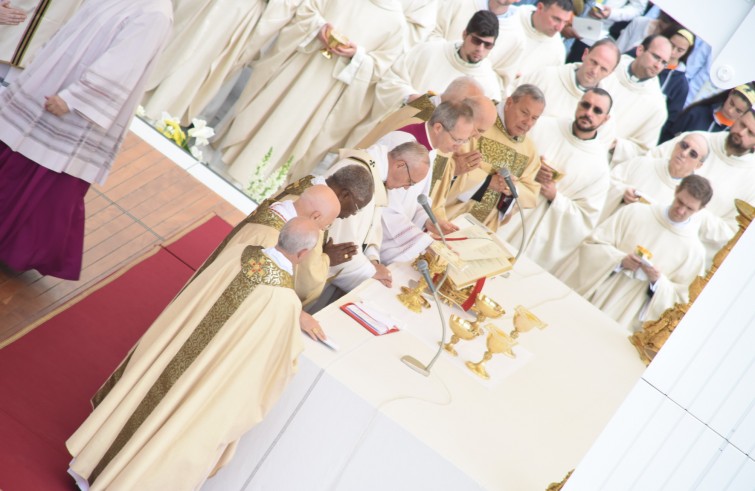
[48, 375]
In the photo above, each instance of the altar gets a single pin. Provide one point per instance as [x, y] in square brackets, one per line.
[359, 418]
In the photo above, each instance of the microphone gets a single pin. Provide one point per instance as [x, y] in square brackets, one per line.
[504, 172]
[422, 200]
[410, 361]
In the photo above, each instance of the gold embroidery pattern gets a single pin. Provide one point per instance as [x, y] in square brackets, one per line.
[265, 216]
[256, 269]
[425, 106]
[498, 155]
[439, 168]
[295, 188]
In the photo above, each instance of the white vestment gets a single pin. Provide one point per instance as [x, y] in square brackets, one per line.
[647, 176]
[555, 229]
[731, 177]
[208, 39]
[638, 113]
[596, 273]
[300, 103]
[521, 49]
[454, 15]
[403, 219]
[559, 85]
[430, 67]
[420, 19]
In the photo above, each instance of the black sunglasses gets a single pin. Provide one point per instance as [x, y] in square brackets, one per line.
[477, 42]
[587, 106]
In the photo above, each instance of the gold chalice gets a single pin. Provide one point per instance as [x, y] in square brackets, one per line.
[412, 297]
[485, 308]
[334, 40]
[524, 321]
[498, 342]
[462, 329]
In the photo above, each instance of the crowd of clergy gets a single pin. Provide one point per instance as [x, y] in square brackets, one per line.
[606, 161]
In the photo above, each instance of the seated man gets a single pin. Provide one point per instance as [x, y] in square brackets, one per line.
[483, 192]
[642, 259]
[207, 370]
[573, 183]
[655, 179]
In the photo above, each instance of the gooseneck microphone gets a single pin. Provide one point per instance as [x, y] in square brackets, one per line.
[410, 361]
[422, 200]
[504, 172]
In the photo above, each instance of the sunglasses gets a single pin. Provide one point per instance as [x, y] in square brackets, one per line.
[587, 106]
[686, 146]
[481, 42]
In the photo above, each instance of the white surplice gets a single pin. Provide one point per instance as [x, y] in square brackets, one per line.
[648, 176]
[595, 271]
[555, 229]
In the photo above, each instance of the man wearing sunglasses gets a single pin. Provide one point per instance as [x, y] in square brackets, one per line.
[530, 40]
[432, 65]
[648, 179]
[731, 170]
[573, 182]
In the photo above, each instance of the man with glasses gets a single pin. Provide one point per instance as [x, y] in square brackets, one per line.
[573, 182]
[451, 17]
[640, 106]
[731, 170]
[531, 39]
[648, 179]
[432, 65]
[483, 192]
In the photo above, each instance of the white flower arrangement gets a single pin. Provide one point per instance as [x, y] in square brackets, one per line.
[170, 127]
[261, 187]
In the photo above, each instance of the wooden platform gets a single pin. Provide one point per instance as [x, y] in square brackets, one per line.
[145, 201]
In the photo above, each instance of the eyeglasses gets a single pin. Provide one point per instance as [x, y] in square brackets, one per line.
[692, 152]
[411, 181]
[458, 141]
[587, 106]
[481, 42]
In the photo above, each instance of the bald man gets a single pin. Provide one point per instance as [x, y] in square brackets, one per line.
[651, 180]
[208, 369]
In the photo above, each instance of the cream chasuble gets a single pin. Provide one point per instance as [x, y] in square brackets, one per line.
[275, 17]
[208, 369]
[430, 67]
[498, 150]
[365, 229]
[677, 253]
[417, 111]
[648, 176]
[208, 39]
[521, 49]
[554, 230]
[732, 178]
[638, 113]
[317, 100]
[19, 43]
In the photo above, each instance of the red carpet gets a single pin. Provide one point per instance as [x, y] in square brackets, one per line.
[48, 376]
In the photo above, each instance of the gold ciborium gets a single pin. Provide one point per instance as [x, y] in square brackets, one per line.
[462, 329]
[485, 308]
[498, 342]
[412, 298]
[334, 40]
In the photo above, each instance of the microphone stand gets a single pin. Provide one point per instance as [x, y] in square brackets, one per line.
[410, 361]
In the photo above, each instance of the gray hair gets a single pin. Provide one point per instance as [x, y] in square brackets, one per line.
[449, 112]
[357, 179]
[528, 90]
[296, 235]
[461, 87]
[412, 152]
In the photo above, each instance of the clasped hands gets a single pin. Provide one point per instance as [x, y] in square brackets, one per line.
[466, 162]
[544, 177]
[347, 50]
[339, 253]
[632, 261]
